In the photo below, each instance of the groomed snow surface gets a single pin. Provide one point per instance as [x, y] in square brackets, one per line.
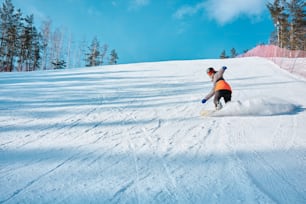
[133, 134]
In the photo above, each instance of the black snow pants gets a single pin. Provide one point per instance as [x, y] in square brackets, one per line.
[225, 94]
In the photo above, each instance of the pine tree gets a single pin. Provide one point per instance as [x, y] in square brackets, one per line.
[36, 49]
[10, 29]
[290, 22]
[233, 53]
[284, 31]
[19, 40]
[29, 52]
[297, 24]
[273, 38]
[93, 57]
[58, 64]
[280, 19]
[223, 55]
[113, 57]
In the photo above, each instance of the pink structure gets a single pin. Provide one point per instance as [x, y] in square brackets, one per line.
[293, 61]
[274, 51]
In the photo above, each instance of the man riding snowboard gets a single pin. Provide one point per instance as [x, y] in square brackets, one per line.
[221, 89]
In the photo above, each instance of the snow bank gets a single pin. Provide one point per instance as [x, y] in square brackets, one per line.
[258, 107]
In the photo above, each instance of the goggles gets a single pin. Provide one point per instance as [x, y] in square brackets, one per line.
[210, 72]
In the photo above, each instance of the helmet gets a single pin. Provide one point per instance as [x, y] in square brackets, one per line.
[210, 71]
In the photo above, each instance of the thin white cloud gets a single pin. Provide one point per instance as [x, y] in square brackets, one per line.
[136, 4]
[189, 10]
[224, 11]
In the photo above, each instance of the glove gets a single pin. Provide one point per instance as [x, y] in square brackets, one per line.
[204, 100]
[224, 67]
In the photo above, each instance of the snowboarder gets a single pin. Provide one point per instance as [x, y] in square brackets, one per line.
[221, 89]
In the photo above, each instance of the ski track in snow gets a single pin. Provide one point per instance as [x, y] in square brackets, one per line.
[133, 134]
[279, 181]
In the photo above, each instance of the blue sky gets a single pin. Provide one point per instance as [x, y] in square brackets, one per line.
[158, 30]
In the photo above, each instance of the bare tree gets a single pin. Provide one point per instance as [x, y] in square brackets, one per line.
[79, 54]
[69, 48]
[46, 35]
[56, 49]
[103, 52]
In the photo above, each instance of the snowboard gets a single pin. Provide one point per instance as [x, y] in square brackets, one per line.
[205, 113]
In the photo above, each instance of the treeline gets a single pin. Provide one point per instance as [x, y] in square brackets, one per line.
[289, 18]
[233, 54]
[25, 48]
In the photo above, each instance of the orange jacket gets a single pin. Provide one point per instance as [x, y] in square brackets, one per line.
[222, 85]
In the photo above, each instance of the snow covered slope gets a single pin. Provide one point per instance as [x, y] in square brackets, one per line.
[133, 134]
